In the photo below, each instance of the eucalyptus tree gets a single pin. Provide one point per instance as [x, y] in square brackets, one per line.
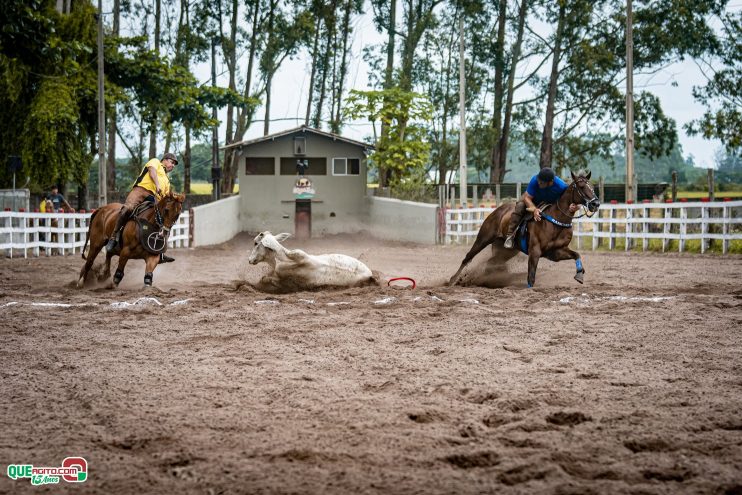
[583, 90]
[722, 94]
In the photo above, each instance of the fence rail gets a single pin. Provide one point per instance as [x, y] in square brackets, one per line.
[38, 234]
[633, 224]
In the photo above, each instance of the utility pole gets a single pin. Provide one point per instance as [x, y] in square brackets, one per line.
[462, 117]
[630, 186]
[102, 198]
[215, 170]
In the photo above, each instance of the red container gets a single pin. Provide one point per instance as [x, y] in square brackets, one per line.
[614, 202]
[668, 201]
[683, 200]
[705, 200]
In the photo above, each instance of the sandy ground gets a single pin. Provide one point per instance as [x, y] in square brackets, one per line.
[631, 383]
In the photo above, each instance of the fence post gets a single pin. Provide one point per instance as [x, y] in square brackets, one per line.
[665, 228]
[578, 232]
[517, 191]
[682, 229]
[645, 229]
[596, 229]
[601, 189]
[674, 186]
[24, 220]
[474, 195]
[497, 195]
[612, 229]
[704, 226]
[36, 236]
[629, 227]
[725, 229]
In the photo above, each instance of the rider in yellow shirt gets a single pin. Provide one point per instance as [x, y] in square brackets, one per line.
[153, 181]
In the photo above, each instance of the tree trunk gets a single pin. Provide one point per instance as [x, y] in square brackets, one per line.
[269, 75]
[245, 116]
[153, 122]
[187, 161]
[547, 143]
[343, 66]
[111, 152]
[505, 135]
[267, 123]
[325, 66]
[499, 92]
[231, 57]
[314, 69]
[388, 77]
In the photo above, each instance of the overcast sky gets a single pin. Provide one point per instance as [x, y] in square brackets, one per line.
[673, 85]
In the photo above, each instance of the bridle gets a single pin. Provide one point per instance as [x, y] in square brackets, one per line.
[164, 230]
[583, 200]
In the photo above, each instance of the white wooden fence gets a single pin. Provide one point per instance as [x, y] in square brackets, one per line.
[627, 226]
[38, 234]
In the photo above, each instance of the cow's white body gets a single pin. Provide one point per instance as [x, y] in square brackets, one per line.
[293, 269]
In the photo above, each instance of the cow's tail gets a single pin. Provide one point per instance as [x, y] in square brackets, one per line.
[87, 234]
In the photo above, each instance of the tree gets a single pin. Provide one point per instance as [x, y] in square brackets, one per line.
[404, 150]
[47, 90]
[723, 92]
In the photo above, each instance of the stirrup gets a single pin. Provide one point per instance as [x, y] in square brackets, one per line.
[509, 241]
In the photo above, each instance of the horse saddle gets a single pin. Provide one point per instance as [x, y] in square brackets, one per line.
[150, 235]
[521, 233]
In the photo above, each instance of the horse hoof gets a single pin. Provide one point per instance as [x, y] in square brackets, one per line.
[580, 276]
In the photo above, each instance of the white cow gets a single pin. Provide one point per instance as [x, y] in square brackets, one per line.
[294, 270]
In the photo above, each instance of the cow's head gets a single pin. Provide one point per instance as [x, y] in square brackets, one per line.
[266, 246]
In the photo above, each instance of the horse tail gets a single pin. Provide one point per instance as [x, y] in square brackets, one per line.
[87, 234]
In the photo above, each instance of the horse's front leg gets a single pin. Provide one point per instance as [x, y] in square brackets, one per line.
[119, 275]
[534, 253]
[151, 263]
[567, 254]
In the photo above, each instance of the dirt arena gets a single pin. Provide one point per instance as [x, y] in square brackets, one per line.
[631, 383]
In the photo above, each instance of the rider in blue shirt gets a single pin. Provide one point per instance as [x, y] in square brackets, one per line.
[545, 187]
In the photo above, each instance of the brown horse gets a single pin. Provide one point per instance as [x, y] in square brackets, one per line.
[163, 215]
[546, 239]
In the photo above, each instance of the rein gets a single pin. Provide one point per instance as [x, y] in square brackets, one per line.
[584, 203]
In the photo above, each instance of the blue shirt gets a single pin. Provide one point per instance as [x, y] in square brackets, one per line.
[548, 194]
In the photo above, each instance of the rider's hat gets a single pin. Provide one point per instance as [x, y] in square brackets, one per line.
[170, 156]
[546, 175]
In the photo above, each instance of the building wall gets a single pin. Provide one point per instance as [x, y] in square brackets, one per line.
[216, 222]
[267, 201]
[398, 220]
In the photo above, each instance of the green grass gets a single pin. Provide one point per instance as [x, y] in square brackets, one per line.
[704, 194]
[655, 245]
[206, 187]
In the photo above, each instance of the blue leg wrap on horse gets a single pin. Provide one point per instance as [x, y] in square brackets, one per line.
[148, 278]
[118, 276]
[578, 264]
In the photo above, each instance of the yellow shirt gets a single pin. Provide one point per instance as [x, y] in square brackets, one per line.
[145, 180]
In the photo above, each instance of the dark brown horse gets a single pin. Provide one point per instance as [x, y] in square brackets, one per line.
[162, 215]
[546, 239]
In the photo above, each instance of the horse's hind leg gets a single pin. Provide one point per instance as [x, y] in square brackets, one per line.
[92, 254]
[567, 254]
[107, 268]
[485, 237]
[500, 254]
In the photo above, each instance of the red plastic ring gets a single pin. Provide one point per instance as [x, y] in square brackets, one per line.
[389, 283]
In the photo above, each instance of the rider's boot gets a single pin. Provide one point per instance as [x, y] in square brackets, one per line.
[515, 219]
[120, 222]
[165, 258]
[509, 241]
